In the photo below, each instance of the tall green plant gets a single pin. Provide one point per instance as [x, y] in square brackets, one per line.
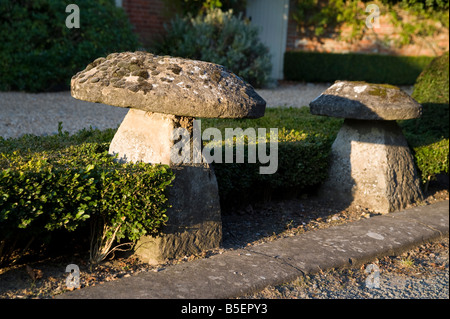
[38, 51]
[195, 7]
[222, 38]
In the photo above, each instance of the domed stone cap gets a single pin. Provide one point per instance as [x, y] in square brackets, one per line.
[167, 85]
[365, 101]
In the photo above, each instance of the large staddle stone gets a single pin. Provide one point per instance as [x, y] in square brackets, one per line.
[165, 94]
[371, 164]
[167, 85]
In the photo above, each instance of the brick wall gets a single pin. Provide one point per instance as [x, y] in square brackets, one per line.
[147, 16]
[377, 40]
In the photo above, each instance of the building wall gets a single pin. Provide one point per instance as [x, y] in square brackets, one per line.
[270, 17]
[377, 40]
[147, 16]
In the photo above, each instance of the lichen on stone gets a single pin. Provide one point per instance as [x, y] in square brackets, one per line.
[377, 91]
[185, 84]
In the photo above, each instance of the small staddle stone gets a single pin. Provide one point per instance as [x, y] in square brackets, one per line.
[164, 94]
[371, 164]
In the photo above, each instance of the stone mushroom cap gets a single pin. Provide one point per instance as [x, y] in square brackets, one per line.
[167, 85]
[365, 101]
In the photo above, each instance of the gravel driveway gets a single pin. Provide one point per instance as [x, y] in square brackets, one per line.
[420, 273]
[27, 113]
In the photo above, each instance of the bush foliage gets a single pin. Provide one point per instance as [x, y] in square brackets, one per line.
[69, 187]
[221, 38]
[374, 68]
[39, 53]
[324, 17]
[304, 142]
[429, 135]
[194, 7]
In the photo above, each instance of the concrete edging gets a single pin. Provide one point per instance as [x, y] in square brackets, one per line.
[248, 270]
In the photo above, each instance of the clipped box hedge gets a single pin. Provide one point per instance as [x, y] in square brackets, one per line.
[64, 182]
[429, 134]
[75, 184]
[303, 150]
[373, 68]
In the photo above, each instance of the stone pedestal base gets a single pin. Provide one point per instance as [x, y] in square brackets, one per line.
[194, 220]
[372, 166]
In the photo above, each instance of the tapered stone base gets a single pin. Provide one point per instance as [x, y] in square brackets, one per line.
[372, 166]
[194, 220]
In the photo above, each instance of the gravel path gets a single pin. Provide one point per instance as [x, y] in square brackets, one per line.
[40, 113]
[27, 113]
[421, 273]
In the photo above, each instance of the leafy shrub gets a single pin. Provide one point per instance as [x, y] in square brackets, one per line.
[428, 135]
[221, 38]
[320, 17]
[432, 86]
[432, 159]
[304, 142]
[194, 7]
[40, 53]
[65, 188]
[374, 68]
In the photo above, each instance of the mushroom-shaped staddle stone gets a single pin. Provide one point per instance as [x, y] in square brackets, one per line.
[164, 95]
[371, 165]
[167, 85]
[365, 101]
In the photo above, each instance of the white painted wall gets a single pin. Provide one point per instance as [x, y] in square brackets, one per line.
[271, 17]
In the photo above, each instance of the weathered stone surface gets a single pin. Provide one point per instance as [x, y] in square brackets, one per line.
[147, 137]
[194, 219]
[167, 85]
[195, 222]
[365, 101]
[372, 166]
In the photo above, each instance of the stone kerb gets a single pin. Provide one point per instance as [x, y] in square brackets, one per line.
[165, 94]
[371, 164]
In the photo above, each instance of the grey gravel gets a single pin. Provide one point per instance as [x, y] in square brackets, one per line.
[300, 94]
[421, 273]
[39, 113]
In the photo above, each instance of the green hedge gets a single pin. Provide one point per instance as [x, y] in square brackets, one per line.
[429, 134]
[70, 187]
[303, 149]
[64, 182]
[38, 51]
[374, 68]
[432, 159]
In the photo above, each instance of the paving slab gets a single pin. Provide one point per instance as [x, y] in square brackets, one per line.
[238, 272]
